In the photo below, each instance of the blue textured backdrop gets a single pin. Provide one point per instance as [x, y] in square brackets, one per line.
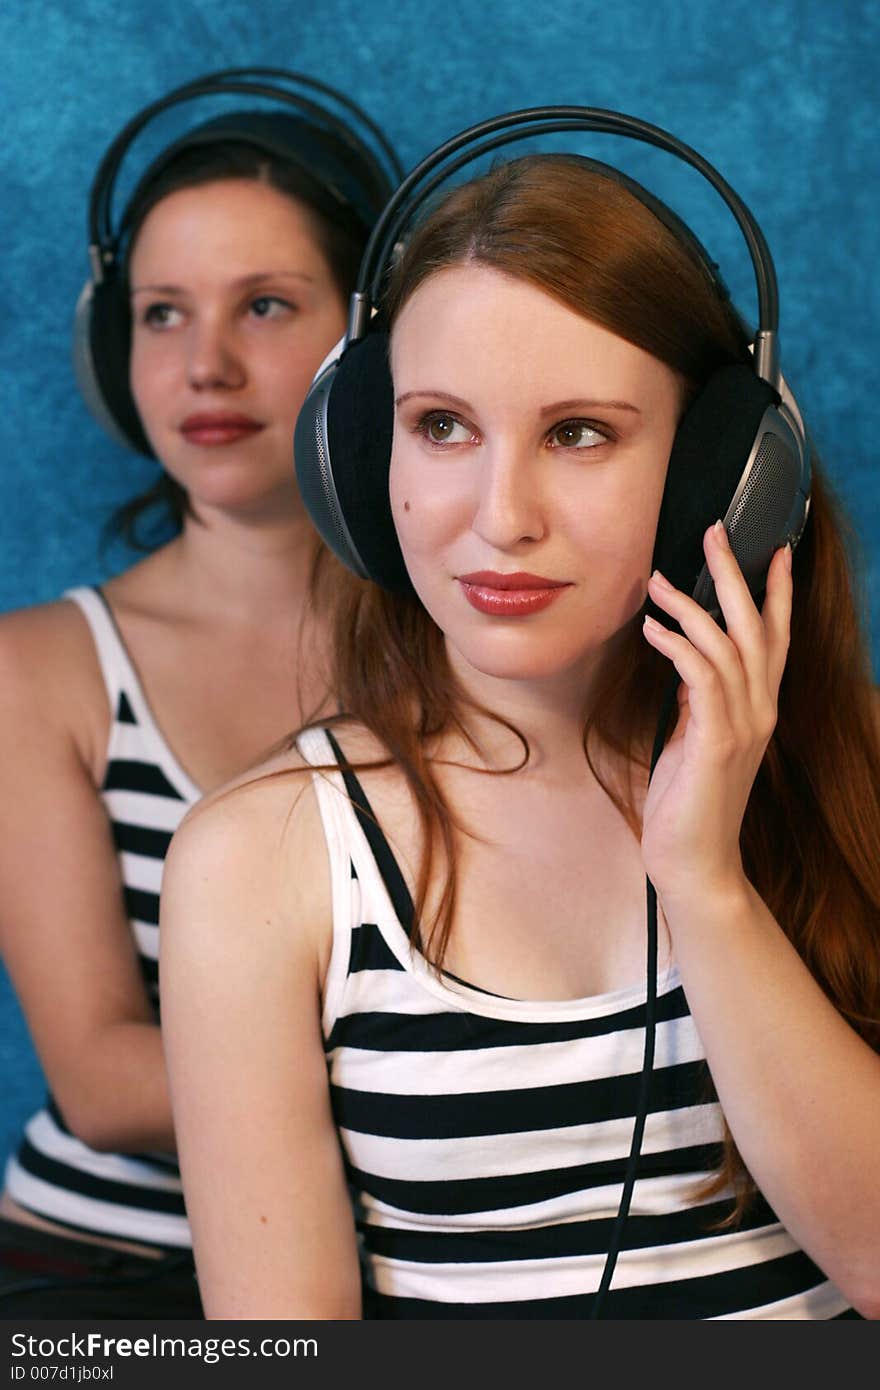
[781, 96]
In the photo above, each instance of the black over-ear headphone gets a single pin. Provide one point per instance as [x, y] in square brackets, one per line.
[740, 452]
[349, 174]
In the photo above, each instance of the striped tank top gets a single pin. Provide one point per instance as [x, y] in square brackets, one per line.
[146, 793]
[486, 1139]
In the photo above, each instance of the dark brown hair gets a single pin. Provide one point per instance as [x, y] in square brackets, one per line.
[811, 833]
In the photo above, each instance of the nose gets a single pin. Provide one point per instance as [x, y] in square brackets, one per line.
[509, 508]
[212, 358]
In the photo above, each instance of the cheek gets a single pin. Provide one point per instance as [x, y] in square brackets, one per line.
[426, 542]
[632, 544]
[634, 508]
[609, 532]
[427, 503]
[283, 382]
[288, 372]
[406, 511]
[150, 369]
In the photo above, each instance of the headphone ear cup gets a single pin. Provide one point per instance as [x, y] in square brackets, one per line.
[716, 446]
[101, 353]
[342, 451]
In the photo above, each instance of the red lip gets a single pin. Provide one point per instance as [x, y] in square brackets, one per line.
[520, 579]
[218, 427]
[510, 595]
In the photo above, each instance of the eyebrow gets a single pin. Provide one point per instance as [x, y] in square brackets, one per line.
[555, 408]
[245, 282]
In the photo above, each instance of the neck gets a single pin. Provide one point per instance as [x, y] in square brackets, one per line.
[549, 712]
[254, 568]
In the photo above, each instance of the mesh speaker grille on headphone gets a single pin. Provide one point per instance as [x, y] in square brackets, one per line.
[324, 494]
[764, 506]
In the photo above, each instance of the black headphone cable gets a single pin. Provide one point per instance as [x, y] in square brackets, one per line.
[667, 707]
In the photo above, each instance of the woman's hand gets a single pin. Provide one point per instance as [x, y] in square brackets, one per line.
[797, 1085]
[727, 713]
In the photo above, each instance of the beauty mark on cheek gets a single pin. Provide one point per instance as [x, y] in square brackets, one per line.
[406, 506]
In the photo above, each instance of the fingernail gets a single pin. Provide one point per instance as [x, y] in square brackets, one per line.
[654, 626]
[787, 554]
[721, 535]
[660, 580]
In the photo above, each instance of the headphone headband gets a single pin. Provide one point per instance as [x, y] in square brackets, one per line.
[233, 81]
[519, 125]
[341, 158]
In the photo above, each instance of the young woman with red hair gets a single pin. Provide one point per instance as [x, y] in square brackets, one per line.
[403, 966]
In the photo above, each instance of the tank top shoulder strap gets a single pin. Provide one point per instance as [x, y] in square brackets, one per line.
[134, 733]
[385, 860]
[362, 908]
[319, 746]
[120, 677]
[367, 883]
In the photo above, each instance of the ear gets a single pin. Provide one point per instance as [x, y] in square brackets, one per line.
[741, 456]
[342, 448]
[711, 450]
[101, 351]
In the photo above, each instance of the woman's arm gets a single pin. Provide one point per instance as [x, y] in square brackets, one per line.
[63, 932]
[246, 916]
[799, 1087]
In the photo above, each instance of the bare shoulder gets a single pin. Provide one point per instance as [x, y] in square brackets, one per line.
[48, 637]
[50, 675]
[250, 811]
[251, 858]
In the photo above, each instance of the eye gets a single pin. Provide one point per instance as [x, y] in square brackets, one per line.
[161, 315]
[439, 428]
[576, 434]
[269, 306]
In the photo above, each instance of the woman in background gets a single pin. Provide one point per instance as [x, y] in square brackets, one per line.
[122, 704]
[420, 978]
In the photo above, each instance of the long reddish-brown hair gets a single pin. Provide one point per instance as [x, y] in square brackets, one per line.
[811, 834]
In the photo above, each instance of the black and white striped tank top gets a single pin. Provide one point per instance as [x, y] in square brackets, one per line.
[146, 793]
[486, 1139]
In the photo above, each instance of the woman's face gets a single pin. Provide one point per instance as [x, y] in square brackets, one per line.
[233, 310]
[529, 458]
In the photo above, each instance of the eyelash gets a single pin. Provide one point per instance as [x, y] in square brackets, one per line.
[425, 422]
[423, 425]
[576, 423]
[275, 299]
[151, 315]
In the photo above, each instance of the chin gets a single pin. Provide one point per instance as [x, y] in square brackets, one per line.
[526, 661]
[238, 490]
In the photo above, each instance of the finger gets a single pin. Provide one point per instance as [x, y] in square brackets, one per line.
[712, 643]
[741, 616]
[776, 617]
[707, 706]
